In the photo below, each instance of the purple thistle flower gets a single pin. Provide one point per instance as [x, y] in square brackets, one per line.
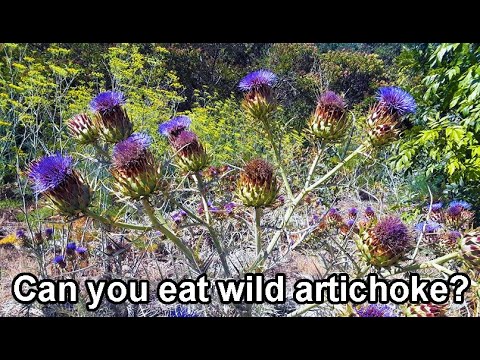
[315, 218]
[185, 140]
[465, 205]
[49, 232]
[392, 234]
[60, 261]
[350, 223]
[330, 99]
[257, 79]
[353, 212]
[20, 233]
[436, 206]
[376, 310]
[454, 235]
[396, 100]
[333, 212]
[229, 207]
[178, 216]
[174, 126]
[49, 172]
[81, 250]
[71, 246]
[107, 100]
[455, 208]
[130, 149]
[182, 311]
[430, 226]
[369, 212]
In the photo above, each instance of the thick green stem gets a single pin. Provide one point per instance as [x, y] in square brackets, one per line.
[290, 210]
[257, 216]
[162, 227]
[278, 157]
[108, 221]
[201, 188]
[216, 241]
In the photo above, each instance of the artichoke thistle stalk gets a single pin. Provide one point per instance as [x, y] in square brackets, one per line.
[278, 159]
[162, 227]
[111, 222]
[257, 216]
[197, 177]
[260, 104]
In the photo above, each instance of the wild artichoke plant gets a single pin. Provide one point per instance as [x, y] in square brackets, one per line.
[54, 177]
[110, 117]
[134, 168]
[386, 119]
[383, 242]
[329, 121]
[259, 101]
[189, 151]
[257, 185]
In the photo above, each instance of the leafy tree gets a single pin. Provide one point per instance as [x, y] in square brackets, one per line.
[446, 145]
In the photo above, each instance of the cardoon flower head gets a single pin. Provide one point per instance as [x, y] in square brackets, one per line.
[182, 311]
[385, 117]
[436, 206]
[111, 118]
[70, 249]
[376, 310]
[352, 212]
[82, 252]
[49, 233]
[173, 127]
[259, 101]
[437, 214]
[106, 101]
[257, 79]
[20, 234]
[82, 128]
[257, 185]
[329, 121]
[384, 243]
[428, 227]
[191, 154]
[60, 261]
[134, 167]
[369, 212]
[333, 217]
[55, 177]
[455, 208]
[470, 249]
[454, 235]
[178, 216]
[396, 100]
[350, 222]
